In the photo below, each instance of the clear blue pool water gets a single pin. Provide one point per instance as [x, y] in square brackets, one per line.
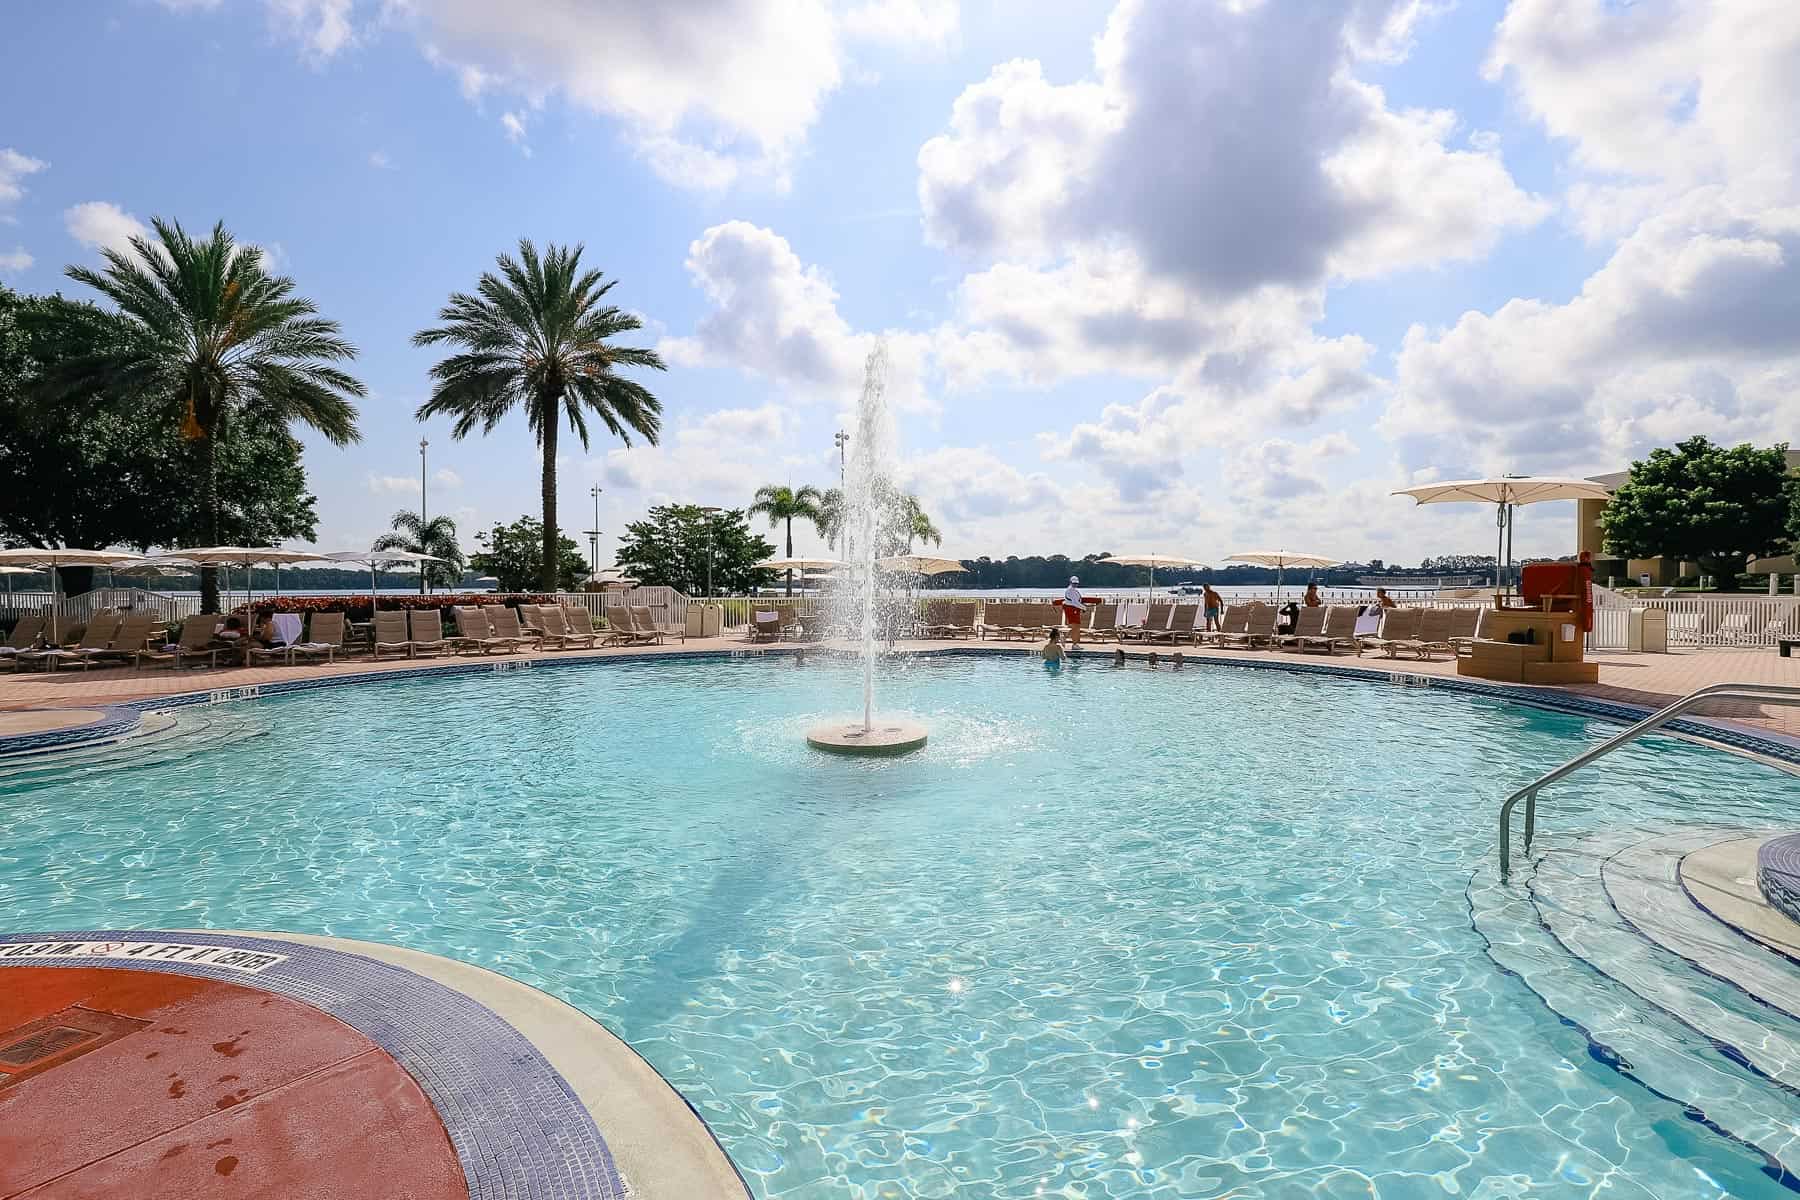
[1113, 933]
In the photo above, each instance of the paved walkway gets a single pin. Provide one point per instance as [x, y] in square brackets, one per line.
[1644, 679]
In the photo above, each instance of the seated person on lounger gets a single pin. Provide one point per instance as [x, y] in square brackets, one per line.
[1051, 651]
[1383, 599]
[1311, 599]
[233, 631]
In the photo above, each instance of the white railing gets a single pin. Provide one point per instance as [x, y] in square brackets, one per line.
[1699, 621]
[667, 606]
[84, 606]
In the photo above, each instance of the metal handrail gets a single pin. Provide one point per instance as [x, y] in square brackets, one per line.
[1770, 693]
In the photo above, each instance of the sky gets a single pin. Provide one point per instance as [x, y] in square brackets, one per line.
[1175, 276]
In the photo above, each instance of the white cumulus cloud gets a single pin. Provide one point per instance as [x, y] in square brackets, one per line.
[103, 225]
[14, 167]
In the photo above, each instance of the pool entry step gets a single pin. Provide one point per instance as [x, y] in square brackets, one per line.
[1654, 944]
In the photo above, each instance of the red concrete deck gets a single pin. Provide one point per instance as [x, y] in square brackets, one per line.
[197, 1088]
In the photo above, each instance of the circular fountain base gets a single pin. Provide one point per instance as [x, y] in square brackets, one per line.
[847, 736]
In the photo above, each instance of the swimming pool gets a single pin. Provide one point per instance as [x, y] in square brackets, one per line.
[1112, 933]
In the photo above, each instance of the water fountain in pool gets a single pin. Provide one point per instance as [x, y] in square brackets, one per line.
[869, 497]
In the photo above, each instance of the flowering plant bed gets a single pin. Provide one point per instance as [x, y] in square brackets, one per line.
[357, 607]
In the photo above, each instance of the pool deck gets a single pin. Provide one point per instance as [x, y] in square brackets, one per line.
[156, 1065]
[1645, 680]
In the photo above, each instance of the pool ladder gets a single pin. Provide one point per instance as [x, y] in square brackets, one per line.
[1783, 695]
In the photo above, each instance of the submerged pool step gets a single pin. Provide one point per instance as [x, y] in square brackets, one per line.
[1570, 889]
[161, 737]
[1640, 1040]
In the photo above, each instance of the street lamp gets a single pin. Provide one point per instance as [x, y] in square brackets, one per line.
[594, 534]
[710, 512]
[424, 571]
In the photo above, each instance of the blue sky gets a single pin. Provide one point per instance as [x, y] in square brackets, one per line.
[1154, 274]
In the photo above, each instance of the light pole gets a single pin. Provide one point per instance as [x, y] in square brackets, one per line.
[842, 439]
[594, 534]
[709, 512]
[424, 572]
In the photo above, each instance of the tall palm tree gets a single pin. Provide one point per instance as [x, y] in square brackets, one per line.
[534, 337]
[781, 504]
[212, 339]
[908, 523]
[901, 522]
[436, 537]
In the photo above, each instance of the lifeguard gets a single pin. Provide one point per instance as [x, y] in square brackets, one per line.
[1072, 606]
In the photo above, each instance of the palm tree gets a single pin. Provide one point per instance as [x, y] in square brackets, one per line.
[213, 340]
[780, 504]
[436, 537]
[908, 523]
[903, 523]
[535, 337]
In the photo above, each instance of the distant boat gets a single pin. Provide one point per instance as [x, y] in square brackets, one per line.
[1415, 582]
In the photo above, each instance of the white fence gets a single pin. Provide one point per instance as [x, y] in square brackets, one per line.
[1699, 621]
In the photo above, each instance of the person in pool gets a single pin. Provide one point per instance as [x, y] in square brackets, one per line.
[1051, 651]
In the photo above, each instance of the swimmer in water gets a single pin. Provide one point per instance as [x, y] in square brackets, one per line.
[1051, 651]
[1119, 657]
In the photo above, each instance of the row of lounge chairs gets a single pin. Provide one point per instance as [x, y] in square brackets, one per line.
[1420, 632]
[138, 637]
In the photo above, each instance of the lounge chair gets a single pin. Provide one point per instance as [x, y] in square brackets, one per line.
[627, 631]
[765, 625]
[1103, 623]
[25, 635]
[1465, 624]
[1311, 623]
[504, 621]
[1733, 630]
[1155, 623]
[1258, 629]
[531, 620]
[645, 621]
[1180, 627]
[1235, 619]
[1339, 632]
[425, 627]
[96, 638]
[194, 642]
[324, 638]
[134, 634]
[391, 634]
[579, 619]
[1433, 634]
[474, 632]
[1399, 626]
[558, 635]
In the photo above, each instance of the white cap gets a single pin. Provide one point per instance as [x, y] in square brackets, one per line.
[1074, 579]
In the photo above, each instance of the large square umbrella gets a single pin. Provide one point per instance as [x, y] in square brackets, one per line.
[1281, 560]
[34, 556]
[1506, 493]
[1153, 561]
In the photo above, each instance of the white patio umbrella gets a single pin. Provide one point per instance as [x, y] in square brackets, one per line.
[1506, 493]
[798, 564]
[229, 556]
[1281, 560]
[376, 559]
[919, 564]
[34, 556]
[1154, 561]
[9, 572]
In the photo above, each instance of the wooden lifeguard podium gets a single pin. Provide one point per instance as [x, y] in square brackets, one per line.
[1538, 636]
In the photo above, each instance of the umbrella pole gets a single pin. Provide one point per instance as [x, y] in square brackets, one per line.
[1512, 514]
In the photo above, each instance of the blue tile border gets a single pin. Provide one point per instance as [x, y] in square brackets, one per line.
[1778, 874]
[517, 1126]
[116, 720]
